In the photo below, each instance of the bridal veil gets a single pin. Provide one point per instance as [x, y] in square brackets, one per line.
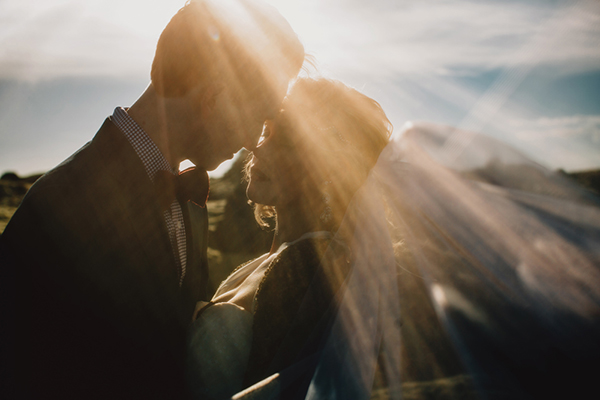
[476, 274]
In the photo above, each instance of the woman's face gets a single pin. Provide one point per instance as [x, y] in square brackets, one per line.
[278, 172]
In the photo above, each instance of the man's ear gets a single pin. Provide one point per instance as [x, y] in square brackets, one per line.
[208, 97]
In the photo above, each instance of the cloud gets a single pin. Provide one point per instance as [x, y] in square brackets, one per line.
[55, 39]
[582, 127]
[571, 143]
[456, 37]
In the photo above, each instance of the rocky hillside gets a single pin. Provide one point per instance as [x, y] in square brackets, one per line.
[529, 178]
[12, 191]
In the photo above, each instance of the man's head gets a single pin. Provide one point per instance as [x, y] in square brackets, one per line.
[227, 65]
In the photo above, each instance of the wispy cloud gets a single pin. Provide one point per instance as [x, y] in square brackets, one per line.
[453, 37]
[585, 127]
[41, 39]
[571, 143]
[57, 38]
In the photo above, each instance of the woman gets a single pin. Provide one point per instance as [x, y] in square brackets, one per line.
[498, 265]
[274, 313]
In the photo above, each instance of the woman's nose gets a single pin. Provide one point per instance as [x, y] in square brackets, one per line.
[259, 150]
[263, 145]
[250, 143]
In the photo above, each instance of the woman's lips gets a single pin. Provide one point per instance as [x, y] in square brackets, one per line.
[258, 175]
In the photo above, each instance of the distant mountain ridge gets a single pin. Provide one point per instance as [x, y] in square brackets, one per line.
[460, 149]
[485, 159]
[588, 179]
[475, 156]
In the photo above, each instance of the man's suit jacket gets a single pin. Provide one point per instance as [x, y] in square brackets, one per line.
[90, 284]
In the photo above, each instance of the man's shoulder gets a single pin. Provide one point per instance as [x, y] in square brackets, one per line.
[87, 177]
[108, 152]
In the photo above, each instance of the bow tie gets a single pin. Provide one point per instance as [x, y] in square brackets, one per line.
[189, 185]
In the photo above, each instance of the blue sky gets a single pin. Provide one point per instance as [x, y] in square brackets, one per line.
[525, 72]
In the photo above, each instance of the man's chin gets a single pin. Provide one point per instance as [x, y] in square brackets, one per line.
[208, 165]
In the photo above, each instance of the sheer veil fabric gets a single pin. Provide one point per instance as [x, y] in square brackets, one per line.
[507, 251]
[368, 320]
[475, 274]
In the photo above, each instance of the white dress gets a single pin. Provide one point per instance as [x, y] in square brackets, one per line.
[221, 337]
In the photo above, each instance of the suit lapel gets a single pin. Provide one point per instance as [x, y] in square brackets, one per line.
[196, 226]
[141, 212]
[137, 199]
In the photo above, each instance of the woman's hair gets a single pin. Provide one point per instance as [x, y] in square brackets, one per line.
[345, 132]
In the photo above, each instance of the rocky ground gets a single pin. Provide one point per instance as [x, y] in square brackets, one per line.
[12, 191]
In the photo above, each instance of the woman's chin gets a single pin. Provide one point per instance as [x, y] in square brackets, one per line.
[259, 192]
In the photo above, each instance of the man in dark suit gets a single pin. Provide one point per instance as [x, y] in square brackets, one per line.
[104, 261]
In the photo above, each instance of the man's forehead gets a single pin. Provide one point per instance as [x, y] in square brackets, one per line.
[271, 106]
[273, 111]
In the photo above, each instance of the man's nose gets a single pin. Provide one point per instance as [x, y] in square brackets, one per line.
[251, 145]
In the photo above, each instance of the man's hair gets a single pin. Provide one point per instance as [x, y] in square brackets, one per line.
[245, 44]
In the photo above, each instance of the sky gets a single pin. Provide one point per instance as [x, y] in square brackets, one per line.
[526, 72]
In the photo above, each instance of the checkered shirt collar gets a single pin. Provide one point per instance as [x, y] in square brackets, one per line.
[146, 149]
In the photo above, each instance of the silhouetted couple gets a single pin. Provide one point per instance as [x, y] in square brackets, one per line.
[104, 263]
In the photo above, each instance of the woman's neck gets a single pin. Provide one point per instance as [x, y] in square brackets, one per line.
[292, 224]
